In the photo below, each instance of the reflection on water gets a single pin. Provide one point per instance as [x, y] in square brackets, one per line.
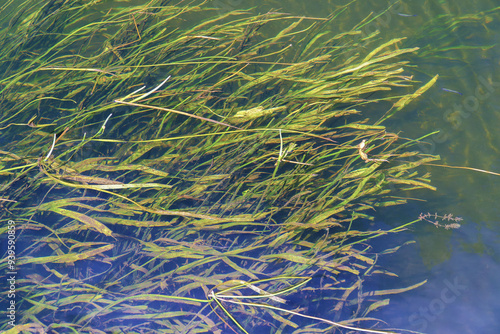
[461, 295]
[458, 41]
[462, 266]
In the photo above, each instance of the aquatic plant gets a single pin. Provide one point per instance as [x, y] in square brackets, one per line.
[173, 171]
[439, 221]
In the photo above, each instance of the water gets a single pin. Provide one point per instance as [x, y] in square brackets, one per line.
[461, 266]
[458, 41]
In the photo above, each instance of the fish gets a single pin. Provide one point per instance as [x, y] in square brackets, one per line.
[451, 91]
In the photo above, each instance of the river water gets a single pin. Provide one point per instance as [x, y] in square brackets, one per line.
[459, 41]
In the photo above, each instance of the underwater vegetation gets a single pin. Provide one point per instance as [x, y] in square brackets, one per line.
[171, 170]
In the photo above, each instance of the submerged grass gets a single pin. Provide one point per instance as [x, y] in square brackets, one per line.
[235, 184]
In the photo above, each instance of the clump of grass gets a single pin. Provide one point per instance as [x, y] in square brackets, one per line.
[141, 201]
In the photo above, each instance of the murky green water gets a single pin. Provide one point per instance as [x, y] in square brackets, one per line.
[458, 41]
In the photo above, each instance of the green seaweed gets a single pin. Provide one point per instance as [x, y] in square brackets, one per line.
[231, 184]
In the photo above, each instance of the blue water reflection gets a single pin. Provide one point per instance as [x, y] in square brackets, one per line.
[462, 267]
[461, 294]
